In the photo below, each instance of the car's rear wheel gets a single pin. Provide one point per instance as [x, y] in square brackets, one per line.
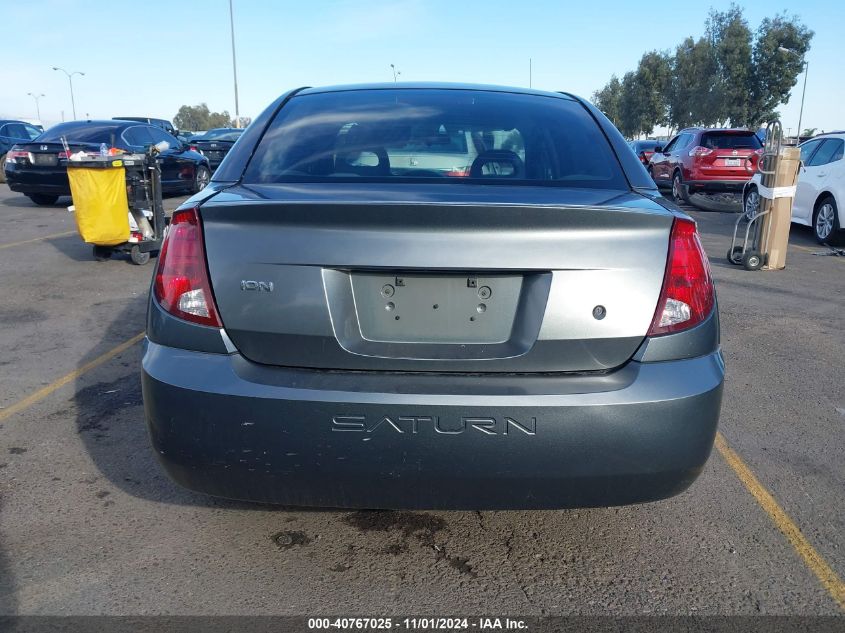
[3, 168]
[201, 178]
[679, 189]
[826, 224]
[751, 203]
[42, 199]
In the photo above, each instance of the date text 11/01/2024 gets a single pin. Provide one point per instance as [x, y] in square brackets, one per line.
[419, 624]
[414, 424]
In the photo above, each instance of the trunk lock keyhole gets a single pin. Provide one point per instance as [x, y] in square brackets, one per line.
[599, 312]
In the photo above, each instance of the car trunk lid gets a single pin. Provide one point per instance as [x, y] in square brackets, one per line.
[442, 278]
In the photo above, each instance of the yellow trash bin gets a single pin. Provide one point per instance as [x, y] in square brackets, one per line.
[98, 188]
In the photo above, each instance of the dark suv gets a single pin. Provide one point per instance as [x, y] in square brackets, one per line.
[706, 160]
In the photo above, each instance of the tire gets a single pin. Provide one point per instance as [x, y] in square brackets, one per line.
[751, 203]
[679, 189]
[752, 260]
[42, 199]
[101, 253]
[201, 177]
[735, 255]
[826, 224]
[138, 258]
[3, 168]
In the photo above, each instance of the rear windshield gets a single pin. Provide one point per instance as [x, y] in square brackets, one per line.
[730, 140]
[437, 135]
[82, 133]
[219, 135]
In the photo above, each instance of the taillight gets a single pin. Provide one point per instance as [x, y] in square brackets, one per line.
[193, 148]
[14, 154]
[700, 151]
[182, 285]
[64, 154]
[687, 297]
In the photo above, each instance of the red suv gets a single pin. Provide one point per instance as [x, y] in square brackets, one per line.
[706, 160]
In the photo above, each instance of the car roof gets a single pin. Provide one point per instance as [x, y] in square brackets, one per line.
[112, 122]
[730, 130]
[432, 86]
[141, 119]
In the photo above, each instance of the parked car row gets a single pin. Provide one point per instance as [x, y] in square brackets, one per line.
[37, 166]
[704, 160]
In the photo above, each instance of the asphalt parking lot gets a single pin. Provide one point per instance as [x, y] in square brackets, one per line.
[90, 524]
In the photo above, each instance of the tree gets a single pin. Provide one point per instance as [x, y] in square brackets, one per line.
[608, 100]
[199, 117]
[729, 76]
[630, 108]
[730, 39]
[637, 104]
[693, 93]
[773, 72]
[809, 131]
[653, 79]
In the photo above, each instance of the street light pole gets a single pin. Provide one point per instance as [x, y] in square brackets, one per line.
[806, 65]
[70, 82]
[37, 107]
[234, 64]
[396, 73]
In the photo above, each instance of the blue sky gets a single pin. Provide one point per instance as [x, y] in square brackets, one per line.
[184, 45]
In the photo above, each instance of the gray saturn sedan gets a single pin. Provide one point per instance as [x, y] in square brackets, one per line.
[432, 296]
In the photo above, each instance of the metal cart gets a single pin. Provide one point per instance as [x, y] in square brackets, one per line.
[748, 254]
[133, 224]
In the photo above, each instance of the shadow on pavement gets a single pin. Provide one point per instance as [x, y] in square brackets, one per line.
[19, 200]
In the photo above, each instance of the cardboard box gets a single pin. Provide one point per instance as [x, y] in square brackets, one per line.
[775, 230]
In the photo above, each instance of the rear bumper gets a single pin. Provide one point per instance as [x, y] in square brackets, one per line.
[228, 427]
[42, 181]
[717, 186]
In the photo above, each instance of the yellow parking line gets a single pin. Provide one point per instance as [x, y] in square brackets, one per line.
[818, 565]
[36, 239]
[61, 382]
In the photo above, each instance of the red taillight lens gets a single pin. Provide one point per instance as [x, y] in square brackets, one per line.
[700, 151]
[687, 297]
[182, 286]
[14, 154]
[193, 148]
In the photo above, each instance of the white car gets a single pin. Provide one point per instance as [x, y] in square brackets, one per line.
[820, 193]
